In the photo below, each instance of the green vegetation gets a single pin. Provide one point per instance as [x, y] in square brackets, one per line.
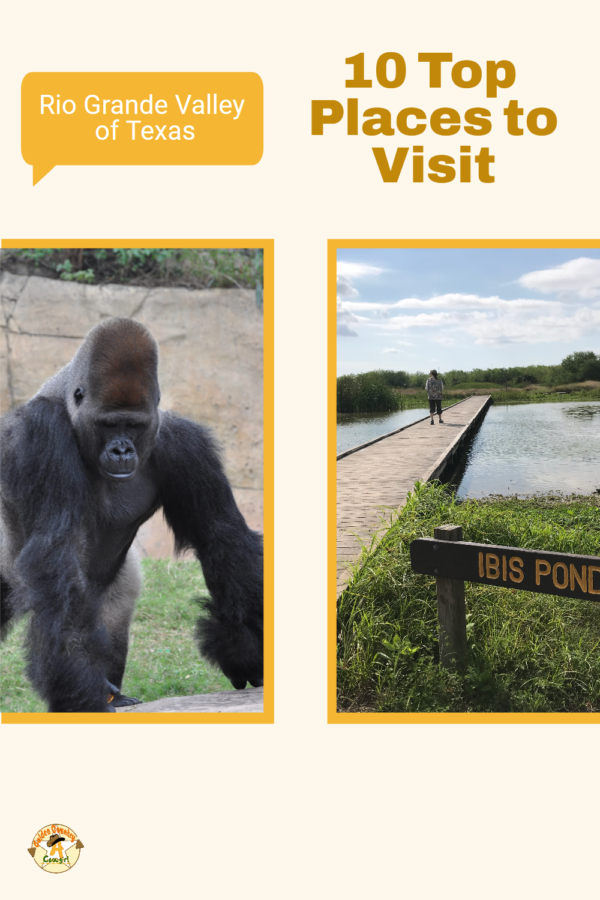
[418, 400]
[374, 391]
[401, 379]
[526, 652]
[152, 267]
[163, 658]
[571, 392]
[366, 393]
[487, 386]
[574, 369]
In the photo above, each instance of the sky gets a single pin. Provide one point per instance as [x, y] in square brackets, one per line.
[463, 309]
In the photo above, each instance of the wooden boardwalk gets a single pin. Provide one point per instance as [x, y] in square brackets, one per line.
[373, 481]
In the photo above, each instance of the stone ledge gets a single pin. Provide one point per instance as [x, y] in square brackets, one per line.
[249, 700]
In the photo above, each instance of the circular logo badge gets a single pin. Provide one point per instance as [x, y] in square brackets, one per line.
[55, 848]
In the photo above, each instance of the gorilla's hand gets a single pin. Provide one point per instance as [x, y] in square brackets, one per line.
[122, 700]
[237, 648]
[239, 676]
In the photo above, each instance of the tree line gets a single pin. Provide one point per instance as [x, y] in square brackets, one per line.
[583, 365]
[375, 391]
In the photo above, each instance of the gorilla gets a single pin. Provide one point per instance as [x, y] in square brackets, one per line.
[83, 464]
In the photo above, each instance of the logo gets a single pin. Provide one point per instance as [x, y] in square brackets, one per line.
[55, 848]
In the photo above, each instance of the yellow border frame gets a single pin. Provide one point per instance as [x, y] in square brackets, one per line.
[267, 716]
[335, 717]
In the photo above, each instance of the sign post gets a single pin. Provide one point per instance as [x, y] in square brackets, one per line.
[452, 615]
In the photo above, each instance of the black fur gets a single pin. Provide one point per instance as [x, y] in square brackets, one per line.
[83, 465]
[200, 509]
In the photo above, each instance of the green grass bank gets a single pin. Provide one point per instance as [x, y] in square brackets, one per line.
[413, 399]
[526, 652]
[163, 658]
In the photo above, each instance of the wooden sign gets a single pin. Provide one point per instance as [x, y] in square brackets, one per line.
[564, 574]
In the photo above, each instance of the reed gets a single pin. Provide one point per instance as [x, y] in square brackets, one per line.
[367, 392]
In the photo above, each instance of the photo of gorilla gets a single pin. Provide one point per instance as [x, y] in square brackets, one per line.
[84, 464]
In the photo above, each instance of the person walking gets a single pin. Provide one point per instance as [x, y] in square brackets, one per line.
[434, 387]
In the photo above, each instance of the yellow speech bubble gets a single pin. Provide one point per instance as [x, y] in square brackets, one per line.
[141, 119]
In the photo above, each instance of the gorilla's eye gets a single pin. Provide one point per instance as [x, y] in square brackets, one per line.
[78, 395]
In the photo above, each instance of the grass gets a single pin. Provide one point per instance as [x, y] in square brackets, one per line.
[526, 652]
[484, 386]
[419, 400]
[163, 658]
[571, 393]
[412, 398]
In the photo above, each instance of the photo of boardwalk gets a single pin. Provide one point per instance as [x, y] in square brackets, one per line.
[464, 541]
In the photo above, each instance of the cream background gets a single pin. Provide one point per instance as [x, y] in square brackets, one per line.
[301, 808]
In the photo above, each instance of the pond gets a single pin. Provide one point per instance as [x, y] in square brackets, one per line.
[354, 429]
[518, 449]
[527, 448]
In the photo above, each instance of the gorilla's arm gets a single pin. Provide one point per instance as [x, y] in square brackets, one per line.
[45, 495]
[200, 509]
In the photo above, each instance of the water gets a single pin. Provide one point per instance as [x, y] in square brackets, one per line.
[354, 429]
[533, 447]
[517, 450]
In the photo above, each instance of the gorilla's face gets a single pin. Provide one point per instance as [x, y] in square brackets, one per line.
[113, 442]
[114, 398]
[119, 437]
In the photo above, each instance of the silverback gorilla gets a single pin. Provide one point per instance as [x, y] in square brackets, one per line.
[83, 464]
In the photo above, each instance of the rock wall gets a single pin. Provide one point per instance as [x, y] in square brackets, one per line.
[210, 369]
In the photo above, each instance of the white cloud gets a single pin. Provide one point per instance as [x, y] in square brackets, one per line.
[511, 326]
[456, 301]
[451, 319]
[357, 270]
[541, 330]
[344, 320]
[431, 320]
[345, 287]
[575, 278]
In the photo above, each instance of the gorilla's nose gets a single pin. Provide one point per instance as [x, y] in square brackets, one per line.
[121, 449]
